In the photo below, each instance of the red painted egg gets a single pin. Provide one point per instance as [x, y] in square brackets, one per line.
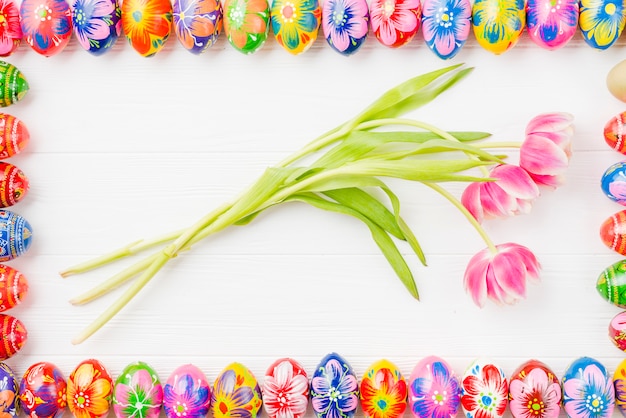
[14, 135]
[614, 132]
[285, 379]
[46, 25]
[613, 232]
[10, 29]
[14, 336]
[534, 391]
[89, 390]
[13, 184]
[43, 391]
[13, 287]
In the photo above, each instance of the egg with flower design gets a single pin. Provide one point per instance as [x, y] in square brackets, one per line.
[186, 393]
[551, 23]
[285, 379]
[137, 392]
[395, 22]
[197, 23]
[498, 24]
[43, 391]
[434, 389]
[13, 184]
[246, 24]
[534, 390]
[147, 24]
[89, 390]
[234, 390]
[601, 22]
[619, 384]
[9, 392]
[484, 390]
[97, 24]
[613, 182]
[588, 389]
[46, 25]
[383, 391]
[446, 25]
[295, 23]
[345, 24]
[10, 28]
[334, 388]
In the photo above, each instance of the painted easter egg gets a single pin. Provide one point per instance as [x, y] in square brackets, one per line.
[14, 135]
[13, 287]
[395, 22]
[484, 390]
[89, 390]
[137, 392]
[186, 393]
[13, 184]
[295, 23]
[285, 389]
[601, 22]
[551, 23]
[383, 380]
[617, 330]
[433, 389]
[612, 284]
[446, 25]
[10, 28]
[246, 24]
[498, 24]
[613, 232]
[9, 392]
[614, 132]
[147, 24]
[197, 23]
[13, 84]
[588, 390]
[345, 24]
[619, 384]
[46, 25]
[43, 391]
[15, 235]
[234, 390]
[14, 336]
[334, 388]
[97, 24]
[613, 182]
[534, 390]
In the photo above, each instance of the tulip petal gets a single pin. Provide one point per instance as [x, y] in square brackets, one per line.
[474, 279]
[496, 202]
[471, 200]
[515, 181]
[510, 273]
[550, 122]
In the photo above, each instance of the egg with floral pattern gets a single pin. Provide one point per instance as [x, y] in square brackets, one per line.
[345, 24]
[395, 22]
[285, 389]
[14, 135]
[619, 384]
[197, 23]
[551, 23]
[534, 391]
[334, 388]
[613, 182]
[147, 24]
[484, 390]
[46, 25]
[588, 390]
[89, 390]
[498, 24]
[9, 392]
[97, 24]
[295, 23]
[236, 391]
[446, 25]
[602, 22]
[10, 28]
[186, 393]
[383, 391]
[246, 24]
[43, 391]
[433, 389]
[137, 392]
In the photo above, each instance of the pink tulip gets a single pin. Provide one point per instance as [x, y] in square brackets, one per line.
[546, 151]
[512, 193]
[501, 276]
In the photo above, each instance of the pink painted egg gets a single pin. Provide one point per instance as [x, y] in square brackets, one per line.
[484, 390]
[617, 330]
[534, 390]
[137, 392]
[14, 336]
[383, 380]
[434, 389]
[10, 29]
[551, 23]
[46, 25]
[13, 287]
[186, 393]
[285, 389]
[14, 136]
[614, 132]
[89, 390]
[43, 391]
[395, 22]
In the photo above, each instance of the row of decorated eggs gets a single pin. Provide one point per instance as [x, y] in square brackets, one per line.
[47, 25]
[432, 390]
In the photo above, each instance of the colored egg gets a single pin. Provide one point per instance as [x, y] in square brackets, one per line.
[43, 391]
[89, 390]
[588, 390]
[10, 29]
[13, 287]
[433, 389]
[186, 393]
[15, 235]
[612, 284]
[613, 232]
[383, 380]
[551, 24]
[13, 184]
[534, 390]
[601, 22]
[619, 384]
[197, 23]
[498, 24]
[484, 390]
[613, 182]
[345, 24]
[137, 392]
[395, 22]
[14, 336]
[46, 25]
[295, 23]
[9, 392]
[13, 84]
[285, 378]
[147, 24]
[14, 136]
[97, 24]
[246, 24]
[334, 388]
[617, 330]
[234, 390]
[446, 25]
[614, 132]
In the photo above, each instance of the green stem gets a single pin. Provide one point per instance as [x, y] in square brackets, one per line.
[481, 231]
[504, 144]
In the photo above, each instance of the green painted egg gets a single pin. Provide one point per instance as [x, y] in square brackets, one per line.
[13, 84]
[612, 284]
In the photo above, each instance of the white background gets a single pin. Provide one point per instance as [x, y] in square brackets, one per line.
[125, 147]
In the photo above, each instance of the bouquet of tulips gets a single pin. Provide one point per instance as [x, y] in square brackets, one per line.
[350, 163]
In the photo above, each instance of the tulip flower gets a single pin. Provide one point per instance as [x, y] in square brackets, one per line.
[501, 275]
[512, 192]
[546, 151]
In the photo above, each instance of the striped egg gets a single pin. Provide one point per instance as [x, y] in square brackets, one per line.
[43, 391]
[186, 393]
[46, 25]
[333, 379]
[147, 24]
[498, 24]
[227, 400]
[534, 387]
[383, 380]
[13, 287]
[13, 184]
[285, 377]
[13, 84]
[588, 390]
[611, 284]
[15, 235]
[484, 388]
[89, 390]
[9, 392]
[434, 389]
[14, 135]
[613, 232]
[614, 132]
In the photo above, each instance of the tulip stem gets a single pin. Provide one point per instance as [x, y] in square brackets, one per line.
[481, 231]
[504, 144]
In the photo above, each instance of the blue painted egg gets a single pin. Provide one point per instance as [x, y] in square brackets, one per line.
[446, 25]
[43, 391]
[15, 235]
[97, 24]
[484, 387]
[345, 27]
[613, 183]
[588, 390]
[9, 391]
[433, 389]
[334, 384]
[601, 22]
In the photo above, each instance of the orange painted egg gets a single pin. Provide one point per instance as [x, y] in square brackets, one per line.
[13, 184]
[14, 336]
[13, 287]
[614, 132]
[14, 136]
[43, 391]
[147, 24]
[613, 232]
[89, 390]
[383, 381]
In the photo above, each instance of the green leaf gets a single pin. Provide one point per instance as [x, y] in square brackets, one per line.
[382, 239]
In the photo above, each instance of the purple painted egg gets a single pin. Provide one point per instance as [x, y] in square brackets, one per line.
[89, 390]
[334, 379]
[285, 389]
[433, 389]
[588, 390]
[186, 393]
[97, 24]
[43, 391]
[197, 23]
[46, 25]
[345, 25]
[9, 392]
[234, 390]
[484, 390]
[534, 390]
[613, 182]
[137, 392]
